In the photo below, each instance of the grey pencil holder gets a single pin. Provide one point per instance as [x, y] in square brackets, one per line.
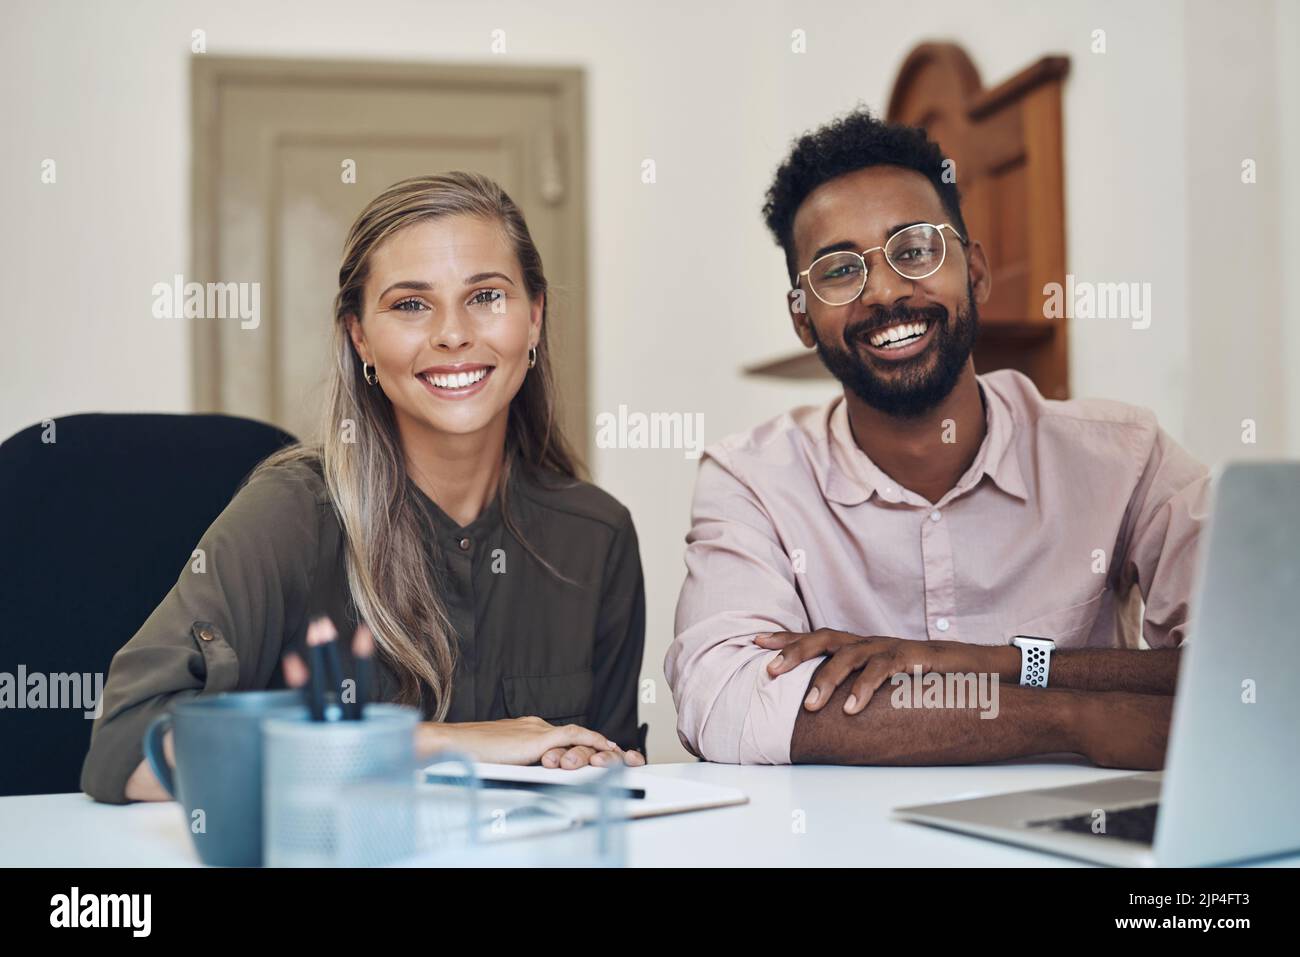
[308, 763]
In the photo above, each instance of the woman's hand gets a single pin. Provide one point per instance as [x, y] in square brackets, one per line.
[143, 784]
[522, 741]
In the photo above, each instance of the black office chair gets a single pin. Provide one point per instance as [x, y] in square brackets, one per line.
[95, 528]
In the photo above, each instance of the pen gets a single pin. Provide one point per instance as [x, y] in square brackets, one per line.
[333, 666]
[316, 672]
[363, 646]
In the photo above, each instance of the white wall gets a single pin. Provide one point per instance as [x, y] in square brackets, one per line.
[687, 286]
[1288, 75]
[1234, 265]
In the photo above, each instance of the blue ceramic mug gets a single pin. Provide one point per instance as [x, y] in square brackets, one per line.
[218, 775]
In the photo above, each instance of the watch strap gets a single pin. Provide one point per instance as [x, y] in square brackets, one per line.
[1035, 660]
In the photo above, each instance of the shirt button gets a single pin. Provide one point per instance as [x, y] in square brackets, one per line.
[205, 633]
[942, 623]
[464, 544]
[934, 516]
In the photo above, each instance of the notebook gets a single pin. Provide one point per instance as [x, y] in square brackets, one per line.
[646, 793]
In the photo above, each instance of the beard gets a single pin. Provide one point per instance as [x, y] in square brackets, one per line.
[911, 387]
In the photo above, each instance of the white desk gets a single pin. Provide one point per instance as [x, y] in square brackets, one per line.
[845, 815]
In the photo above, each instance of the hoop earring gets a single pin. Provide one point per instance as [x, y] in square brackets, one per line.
[532, 356]
[370, 377]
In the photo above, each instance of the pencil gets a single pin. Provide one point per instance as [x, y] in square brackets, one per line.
[363, 647]
[316, 672]
[333, 666]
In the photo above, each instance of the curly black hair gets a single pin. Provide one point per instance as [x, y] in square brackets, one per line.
[854, 141]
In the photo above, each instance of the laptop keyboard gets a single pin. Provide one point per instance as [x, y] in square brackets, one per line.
[1128, 824]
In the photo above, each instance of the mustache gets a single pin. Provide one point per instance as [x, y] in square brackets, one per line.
[881, 318]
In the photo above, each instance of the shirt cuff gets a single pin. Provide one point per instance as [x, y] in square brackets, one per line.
[774, 705]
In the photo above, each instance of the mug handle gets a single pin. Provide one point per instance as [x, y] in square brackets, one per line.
[154, 753]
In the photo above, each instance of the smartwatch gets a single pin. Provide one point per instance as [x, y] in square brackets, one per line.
[1035, 659]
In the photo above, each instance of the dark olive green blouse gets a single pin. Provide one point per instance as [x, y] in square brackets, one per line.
[528, 643]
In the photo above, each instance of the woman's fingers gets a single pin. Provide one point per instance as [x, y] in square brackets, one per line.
[578, 747]
[605, 759]
[577, 757]
[573, 736]
[608, 759]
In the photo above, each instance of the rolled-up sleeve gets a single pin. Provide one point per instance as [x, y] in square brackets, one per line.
[1165, 521]
[740, 582]
[221, 626]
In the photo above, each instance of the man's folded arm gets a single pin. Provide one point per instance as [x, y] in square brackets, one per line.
[740, 582]
[1114, 729]
[1023, 722]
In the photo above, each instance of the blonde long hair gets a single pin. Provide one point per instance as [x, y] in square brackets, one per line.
[393, 585]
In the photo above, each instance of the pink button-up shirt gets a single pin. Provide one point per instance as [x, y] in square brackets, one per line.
[1066, 507]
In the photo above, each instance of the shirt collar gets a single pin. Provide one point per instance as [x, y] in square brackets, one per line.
[850, 477]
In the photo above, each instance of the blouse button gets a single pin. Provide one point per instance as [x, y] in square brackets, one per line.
[464, 544]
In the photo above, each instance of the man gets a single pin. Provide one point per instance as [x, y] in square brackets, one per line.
[924, 520]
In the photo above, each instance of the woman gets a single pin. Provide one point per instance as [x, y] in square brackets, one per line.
[441, 507]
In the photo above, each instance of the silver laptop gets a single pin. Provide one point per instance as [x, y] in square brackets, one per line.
[1230, 790]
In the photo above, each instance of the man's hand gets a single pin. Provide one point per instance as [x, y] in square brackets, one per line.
[879, 657]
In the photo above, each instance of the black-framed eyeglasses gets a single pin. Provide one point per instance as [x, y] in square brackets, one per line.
[914, 253]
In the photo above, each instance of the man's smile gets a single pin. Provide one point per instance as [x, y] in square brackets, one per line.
[900, 340]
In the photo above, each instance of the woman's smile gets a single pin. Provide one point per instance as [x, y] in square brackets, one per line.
[458, 381]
